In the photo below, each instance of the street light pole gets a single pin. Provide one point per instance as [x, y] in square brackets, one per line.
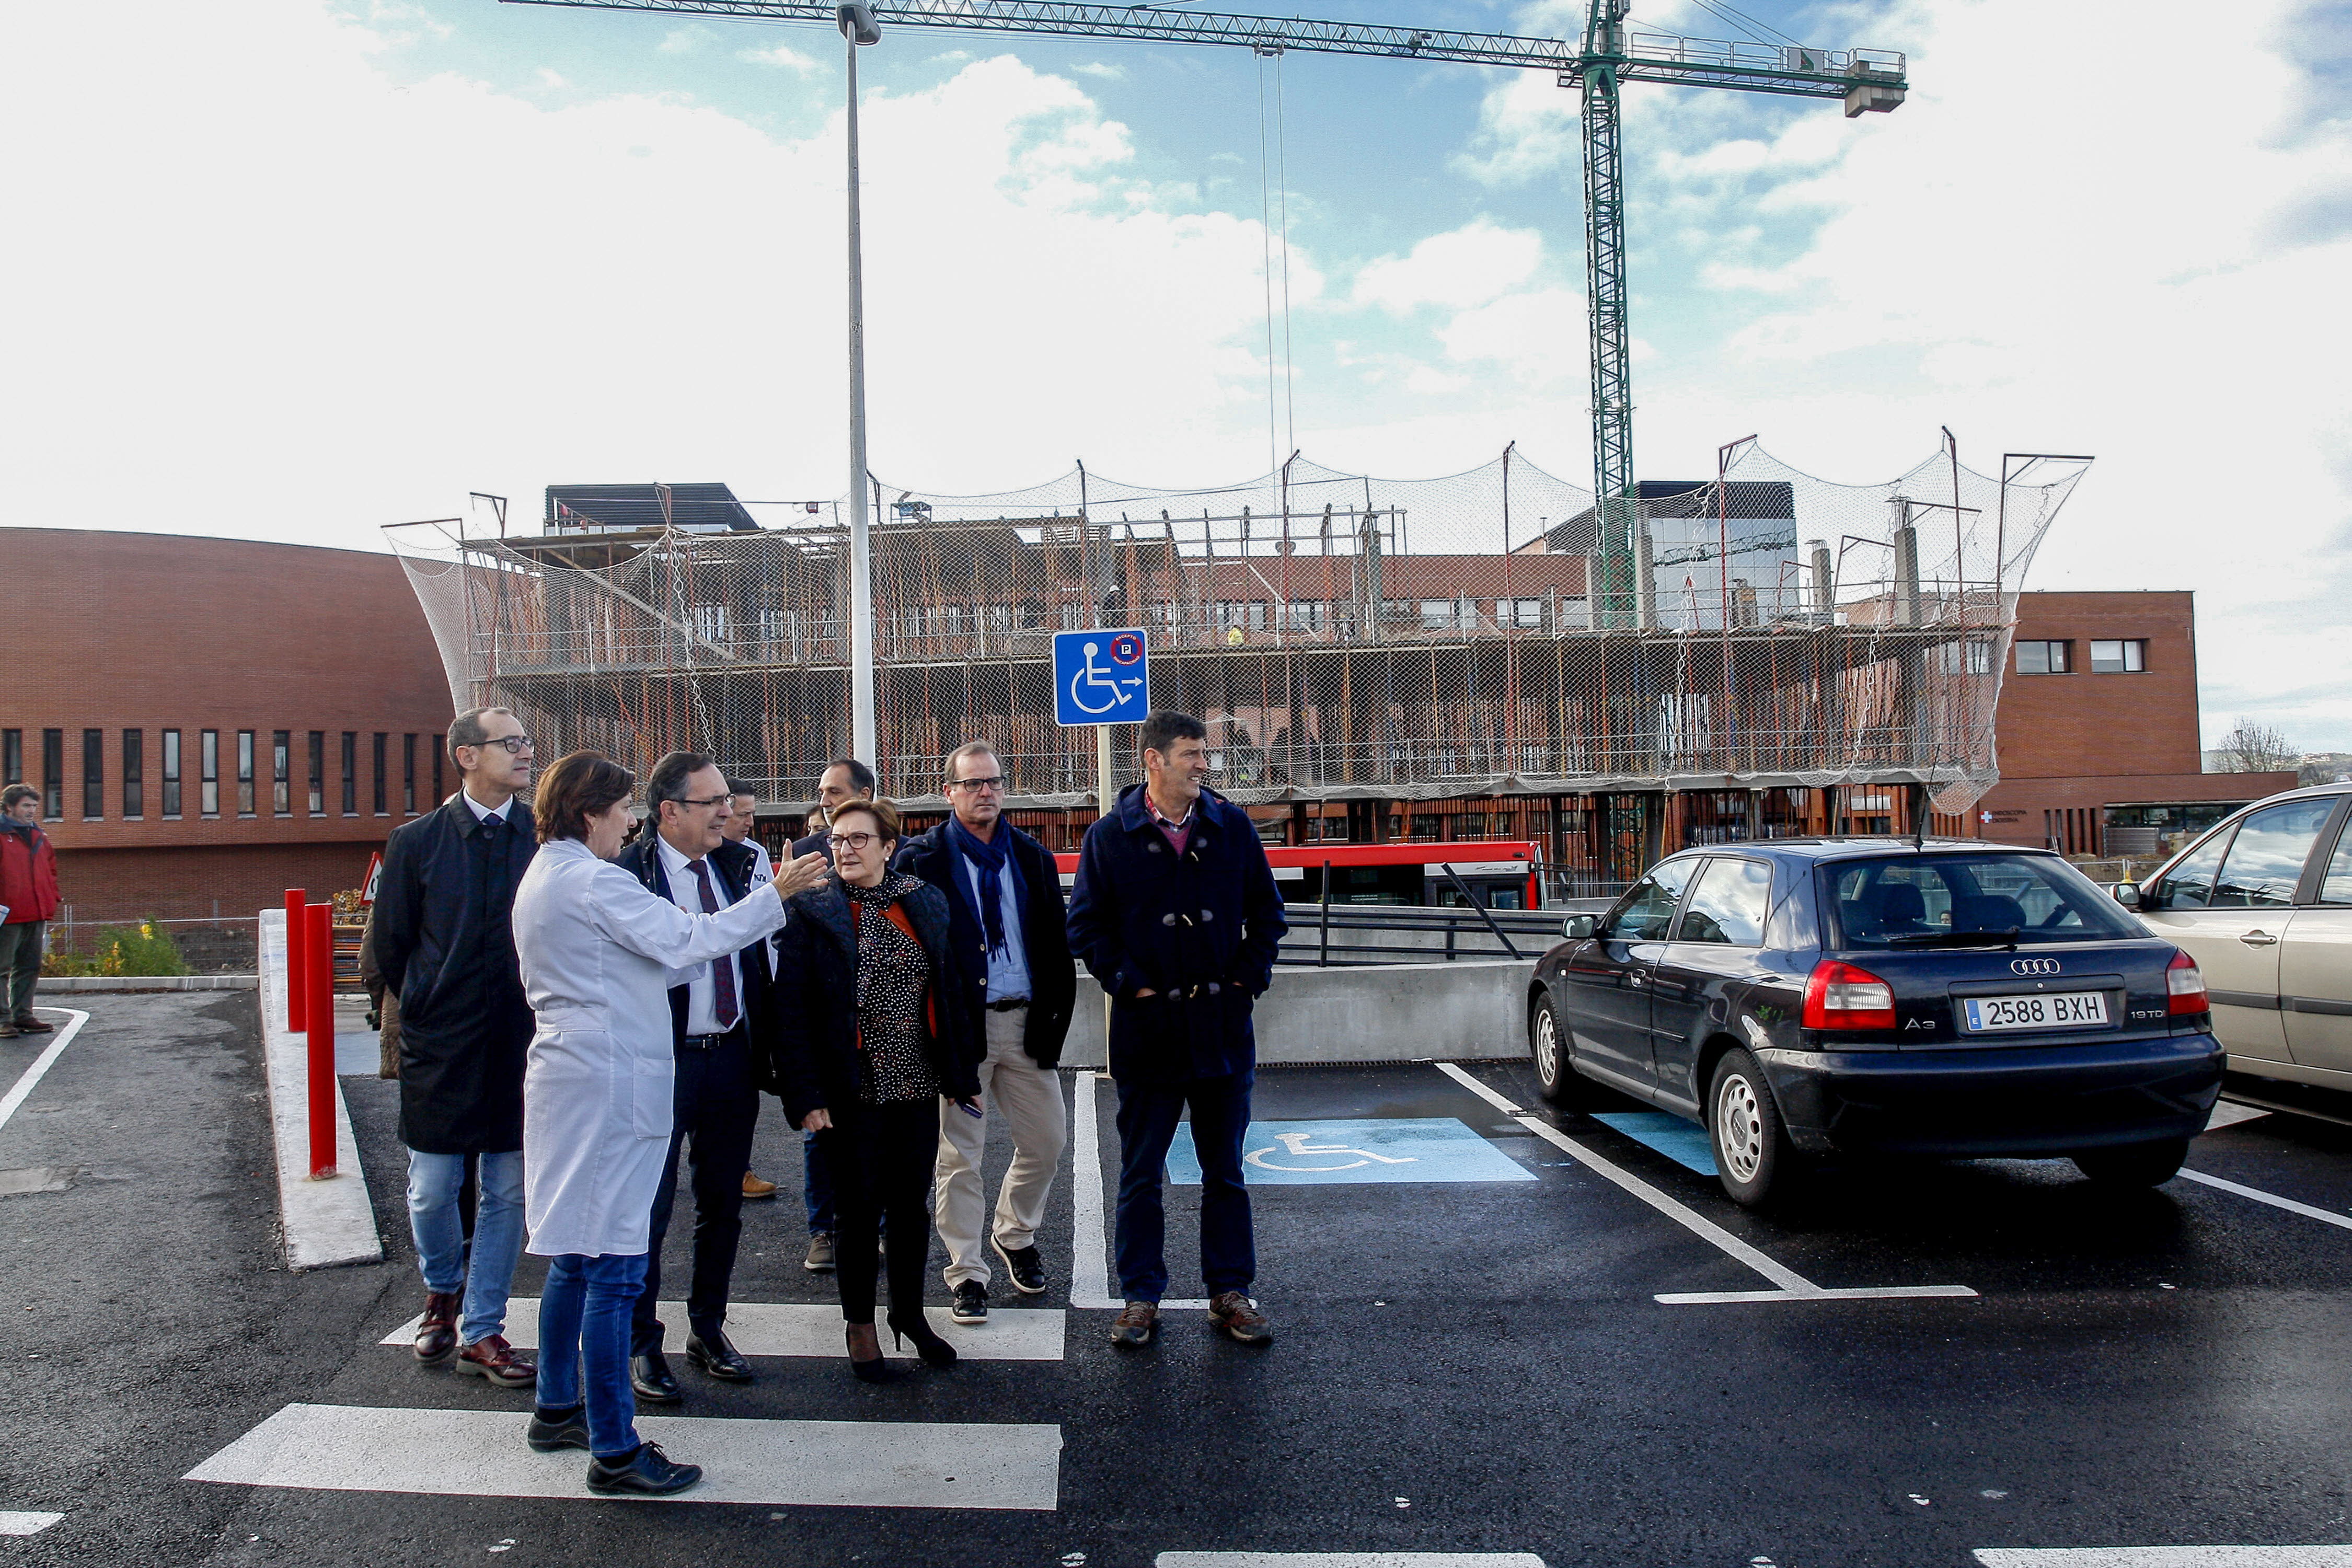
[857, 27]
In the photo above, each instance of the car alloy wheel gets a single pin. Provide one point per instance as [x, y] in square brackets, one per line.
[1739, 1133]
[1543, 1044]
[1744, 1125]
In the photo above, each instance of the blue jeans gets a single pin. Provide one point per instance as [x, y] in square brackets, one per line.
[583, 1335]
[441, 1253]
[1148, 1114]
[816, 1185]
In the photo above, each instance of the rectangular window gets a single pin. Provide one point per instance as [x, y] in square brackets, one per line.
[408, 776]
[381, 745]
[134, 769]
[438, 794]
[171, 774]
[2044, 658]
[53, 773]
[318, 772]
[1437, 615]
[245, 772]
[2126, 657]
[1528, 615]
[281, 772]
[1964, 659]
[351, 772]
[208, 764]
[12, 756]
[93, 774]
[1305, 615]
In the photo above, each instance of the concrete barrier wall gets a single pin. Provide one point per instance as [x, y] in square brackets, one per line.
[1464, 1011]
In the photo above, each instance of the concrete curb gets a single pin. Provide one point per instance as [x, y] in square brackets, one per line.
[327, 1223]
[118, 982]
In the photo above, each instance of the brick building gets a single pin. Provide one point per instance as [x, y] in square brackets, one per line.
[2099, 732]
[214, 720]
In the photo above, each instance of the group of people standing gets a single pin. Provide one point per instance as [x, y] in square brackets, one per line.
[580, 1013]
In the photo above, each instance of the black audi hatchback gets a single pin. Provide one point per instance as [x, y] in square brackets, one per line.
[1806, 997]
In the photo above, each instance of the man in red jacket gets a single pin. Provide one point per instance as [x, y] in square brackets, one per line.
[28, 887]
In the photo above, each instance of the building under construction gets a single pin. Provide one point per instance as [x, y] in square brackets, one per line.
[1457, 658]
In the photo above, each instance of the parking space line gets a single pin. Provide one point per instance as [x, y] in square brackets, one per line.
[21, 1521]
[1091, 1281]
[766, 1329]
[2328, 1217]
[1347, 1560]
[42, 1063]
[480, 1453]
[1794, 1286]
[2165, 1556]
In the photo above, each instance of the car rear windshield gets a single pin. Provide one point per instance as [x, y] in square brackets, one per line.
[1933, 900]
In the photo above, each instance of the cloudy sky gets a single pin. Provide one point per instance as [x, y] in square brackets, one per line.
[297, 269]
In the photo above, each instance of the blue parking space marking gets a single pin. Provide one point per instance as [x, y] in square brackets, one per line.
[1679, 1141]
[1391, 1149]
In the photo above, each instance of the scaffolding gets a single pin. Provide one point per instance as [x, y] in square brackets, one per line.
[1346, 637]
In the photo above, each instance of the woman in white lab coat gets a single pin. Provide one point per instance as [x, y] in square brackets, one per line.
[599, 955]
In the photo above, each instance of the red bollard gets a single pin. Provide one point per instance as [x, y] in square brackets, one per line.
[318, 1009]
[297, 900]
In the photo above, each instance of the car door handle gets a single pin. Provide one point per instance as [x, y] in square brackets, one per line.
[2259, 939]
[1633, 980]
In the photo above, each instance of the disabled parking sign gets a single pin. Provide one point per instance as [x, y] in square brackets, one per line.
[1388, 1149]
[1100, 677]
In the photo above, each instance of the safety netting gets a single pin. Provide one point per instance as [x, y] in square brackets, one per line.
[1345, 637]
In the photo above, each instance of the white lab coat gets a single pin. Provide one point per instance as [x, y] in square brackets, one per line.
[599, 955]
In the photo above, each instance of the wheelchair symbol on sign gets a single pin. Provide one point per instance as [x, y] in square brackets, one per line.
[1297, 1143]
[1091, 676]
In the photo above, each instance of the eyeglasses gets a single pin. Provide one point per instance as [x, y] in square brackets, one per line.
[994, 781]
[516, 745]
[707, 801]
[861, 842]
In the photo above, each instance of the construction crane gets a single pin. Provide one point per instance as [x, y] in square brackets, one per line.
[1600, 63]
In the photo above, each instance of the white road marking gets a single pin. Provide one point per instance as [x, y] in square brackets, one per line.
[1347, 1560]
[1793, 1286]
[2328, 1216]
[42, 1063]
[2229, 1113]
[326, 1223]
[2166, 1557]
[787, 1330]
[1091, 1281]
[823, 1463]
[21, 1523]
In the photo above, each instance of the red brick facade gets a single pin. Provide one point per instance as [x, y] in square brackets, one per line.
[150, 634]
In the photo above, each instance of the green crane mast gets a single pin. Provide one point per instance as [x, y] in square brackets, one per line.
[1607, 56]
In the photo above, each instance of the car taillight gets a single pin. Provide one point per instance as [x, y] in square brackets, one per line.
[1840, 996]
[2186, 982]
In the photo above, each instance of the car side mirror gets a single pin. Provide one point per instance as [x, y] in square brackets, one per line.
[1576, 927]
[2128, 894]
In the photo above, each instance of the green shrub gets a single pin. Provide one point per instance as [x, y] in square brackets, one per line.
[143, 951]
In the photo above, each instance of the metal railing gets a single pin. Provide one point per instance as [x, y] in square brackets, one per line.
[1333, 936]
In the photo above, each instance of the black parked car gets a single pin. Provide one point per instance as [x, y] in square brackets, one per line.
[1801, 997]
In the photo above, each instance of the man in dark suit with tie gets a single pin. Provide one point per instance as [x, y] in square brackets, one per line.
[445, 947]
[723, 1033]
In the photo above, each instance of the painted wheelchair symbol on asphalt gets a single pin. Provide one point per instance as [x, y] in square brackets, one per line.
[1297, 1143]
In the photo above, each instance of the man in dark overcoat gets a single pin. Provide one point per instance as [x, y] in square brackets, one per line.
[445, 946]
[723, 1030]
[1176, 913]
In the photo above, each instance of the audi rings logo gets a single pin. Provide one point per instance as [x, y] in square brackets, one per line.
[2034, 966]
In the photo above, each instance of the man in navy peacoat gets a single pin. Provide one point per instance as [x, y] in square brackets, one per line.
[1176, 913]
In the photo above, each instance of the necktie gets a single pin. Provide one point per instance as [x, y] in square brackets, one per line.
[722, 968]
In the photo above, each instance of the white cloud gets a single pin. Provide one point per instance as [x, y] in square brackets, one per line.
[1098, 68]
[1467, 266]
[1536, 336]
[784, 56]
[685, 40]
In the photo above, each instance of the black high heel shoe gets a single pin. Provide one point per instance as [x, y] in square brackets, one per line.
[935, 1350]
[873, 1369]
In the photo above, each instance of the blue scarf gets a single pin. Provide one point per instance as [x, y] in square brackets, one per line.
[989, 860]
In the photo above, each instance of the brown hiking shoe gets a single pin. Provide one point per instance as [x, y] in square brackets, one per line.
[437, 1335]
[1239, 1318]
[1136, 1325]
[496, 1360]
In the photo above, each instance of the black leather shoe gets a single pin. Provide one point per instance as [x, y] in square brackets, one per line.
[716, 1358]
[553, 1429]
[647, 1472]
[650, 1375]
[1027, 1268]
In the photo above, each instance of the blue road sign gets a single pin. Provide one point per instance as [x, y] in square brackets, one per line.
[1391, 1149]
[1101, 676]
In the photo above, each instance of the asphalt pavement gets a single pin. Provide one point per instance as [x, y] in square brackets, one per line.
[1472, 1354]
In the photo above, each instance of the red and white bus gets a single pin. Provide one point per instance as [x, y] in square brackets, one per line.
[1499, 873]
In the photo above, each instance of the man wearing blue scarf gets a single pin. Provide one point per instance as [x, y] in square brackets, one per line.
[1007, 936]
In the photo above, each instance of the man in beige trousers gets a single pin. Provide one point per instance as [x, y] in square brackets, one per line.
[1012, 953]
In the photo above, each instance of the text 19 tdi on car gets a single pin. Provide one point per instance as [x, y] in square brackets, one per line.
[1807, 997]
